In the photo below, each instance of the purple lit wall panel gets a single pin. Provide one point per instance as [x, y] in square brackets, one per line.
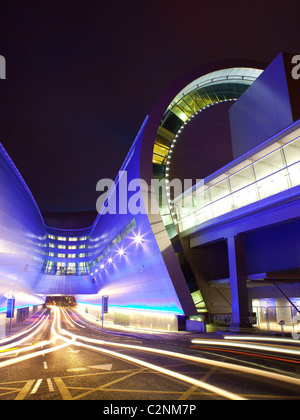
[262, 111]
[139, 279]
[21, 228]
[65, 285]
[273, 249]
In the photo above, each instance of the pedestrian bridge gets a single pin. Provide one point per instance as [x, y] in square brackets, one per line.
[267, 175]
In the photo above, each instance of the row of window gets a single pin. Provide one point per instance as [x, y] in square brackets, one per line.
[194, 101]
[80, 268]
[60, 255]
[62, 268]
[127, 229]
[67, 238]
[67, 247]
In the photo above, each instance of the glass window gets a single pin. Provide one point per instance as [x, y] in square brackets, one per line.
[61, 238]
[225, 205]
[71, 255]
[273, 184]
[241, 179]
[219, 190]
[180, 113]
[294, 172]
[61, 255]
[191, 103]
[60, 268]
[268, 165]
[204, 214]
[158, 159]
[71, 268]
[202, 199]
[73, 239]
[245, 196]
[61, 246]
[160, 150]
[72, 247]
[198, 99]
[292, 152]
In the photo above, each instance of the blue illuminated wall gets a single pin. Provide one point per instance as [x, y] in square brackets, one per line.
[122, 257]
[22, 233]
[127, 262]
[254, 122]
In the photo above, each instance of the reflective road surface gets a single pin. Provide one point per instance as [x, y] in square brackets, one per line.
[64, 356]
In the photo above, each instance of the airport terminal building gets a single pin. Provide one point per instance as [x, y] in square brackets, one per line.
[226, 249]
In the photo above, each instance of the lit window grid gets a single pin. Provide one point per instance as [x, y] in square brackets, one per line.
[65, 239]
[271, 174]
[64, 268]
[67, 268]
[123, 234]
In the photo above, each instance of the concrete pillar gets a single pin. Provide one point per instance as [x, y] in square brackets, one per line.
[238, 286]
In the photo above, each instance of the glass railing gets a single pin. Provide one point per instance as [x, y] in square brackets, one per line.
[269, 172]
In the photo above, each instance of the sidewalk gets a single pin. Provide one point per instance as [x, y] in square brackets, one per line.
[16, 328]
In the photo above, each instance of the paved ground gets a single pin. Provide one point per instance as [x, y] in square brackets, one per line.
[105, 372]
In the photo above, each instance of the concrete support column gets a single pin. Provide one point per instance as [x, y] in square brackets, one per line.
[238, 286]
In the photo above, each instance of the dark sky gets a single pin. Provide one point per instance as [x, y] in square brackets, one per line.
[83, 75]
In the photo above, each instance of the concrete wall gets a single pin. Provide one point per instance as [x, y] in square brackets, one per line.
[131, 318]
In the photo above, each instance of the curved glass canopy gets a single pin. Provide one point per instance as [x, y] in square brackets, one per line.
[219, 86]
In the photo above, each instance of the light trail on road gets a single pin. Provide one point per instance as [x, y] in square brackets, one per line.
[257, 338]
[248, 346]
[37, 328]
[168, 372]
[242, 369]
[15, 336]
[42, 343]
[68, 338]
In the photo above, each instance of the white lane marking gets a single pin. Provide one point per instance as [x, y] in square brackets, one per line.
[79, 369]
[36, 387]
[102, 367]
[50, 385]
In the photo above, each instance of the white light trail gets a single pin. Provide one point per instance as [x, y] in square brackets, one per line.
[256, 338]
[14, 336]
[176, 375]
[248, 346]
[72, 320]
[17, 343]
[69, 321]
[200, 384]
[223, 365]
[66, 343]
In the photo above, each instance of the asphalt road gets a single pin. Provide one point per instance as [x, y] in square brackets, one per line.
[66, 357]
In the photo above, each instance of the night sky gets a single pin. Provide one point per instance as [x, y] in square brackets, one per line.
[83, 75]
